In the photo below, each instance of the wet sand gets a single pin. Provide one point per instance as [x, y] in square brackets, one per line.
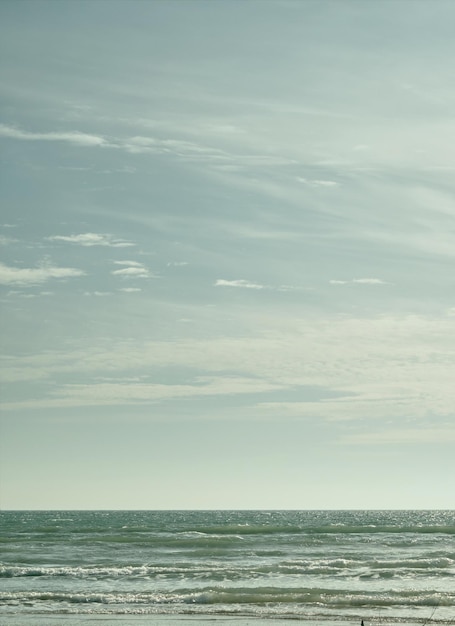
[161, 620]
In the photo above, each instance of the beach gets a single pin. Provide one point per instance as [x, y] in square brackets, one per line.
[184, 620]
[188, 620]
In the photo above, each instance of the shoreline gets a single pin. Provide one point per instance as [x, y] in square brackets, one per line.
[98, 619]
[79, 619]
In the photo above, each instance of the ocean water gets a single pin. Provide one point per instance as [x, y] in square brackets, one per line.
[379, 566]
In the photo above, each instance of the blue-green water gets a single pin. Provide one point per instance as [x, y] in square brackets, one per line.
[380, 566]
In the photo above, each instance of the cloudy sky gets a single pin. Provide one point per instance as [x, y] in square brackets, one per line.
[227, 254]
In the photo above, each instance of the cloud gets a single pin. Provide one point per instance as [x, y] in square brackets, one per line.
[369, 370]
[73, 137]
[35, 276]
[177, 147]
[130, 289]
[129, 263]
[125, 392]
[242, 284]
[93, 239]
[359, 281]
[246, 284]
[132, 272]
[6, 241]
[317, 182]
[133, 269]
[369, 281]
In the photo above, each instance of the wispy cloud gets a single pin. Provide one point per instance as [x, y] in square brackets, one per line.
[22, 294]
[132, 272]
[6, 241]
[407, 436]
[129, 263]
[35, 275]
[241, 283]
[132, 269]
[94, 239]
[369, 369]
[125, 392]
[73, 137]
[246, 284]
[317, 182]
[177, 147]
[359, 281]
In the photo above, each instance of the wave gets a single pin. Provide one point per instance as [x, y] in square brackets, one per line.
[76, 572]
[287, 563]
[429, 566]
[240, 530]
[220, 536]
[330, 598]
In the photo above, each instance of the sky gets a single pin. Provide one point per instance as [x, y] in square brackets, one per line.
[227, 242]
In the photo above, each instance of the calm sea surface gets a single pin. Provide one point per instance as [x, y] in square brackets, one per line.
[380, 566]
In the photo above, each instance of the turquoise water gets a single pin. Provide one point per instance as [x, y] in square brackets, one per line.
[380, 566]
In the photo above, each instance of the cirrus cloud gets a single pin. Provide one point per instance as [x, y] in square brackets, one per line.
[241, 283]
[73, 137]
[35, 275]
[132, 269]
[94, 239]
[359, 281]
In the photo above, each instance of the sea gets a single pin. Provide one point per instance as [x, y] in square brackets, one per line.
[383, 567]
